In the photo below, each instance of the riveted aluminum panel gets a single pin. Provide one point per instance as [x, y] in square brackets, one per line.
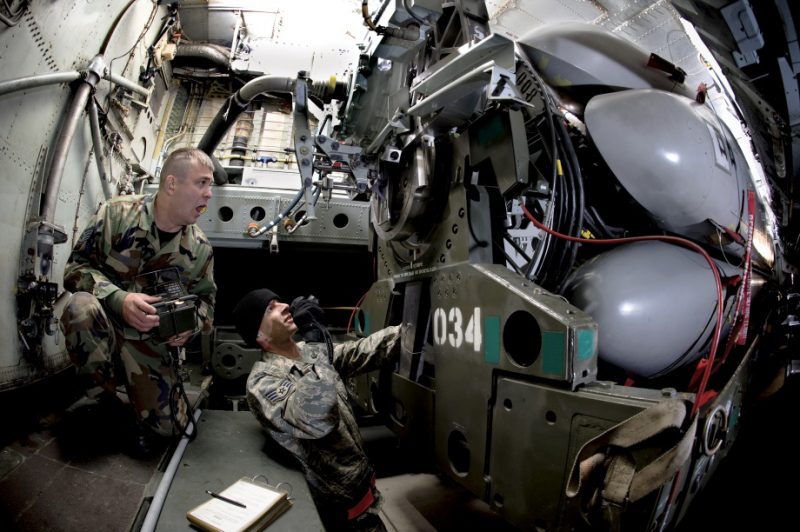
[232, 208]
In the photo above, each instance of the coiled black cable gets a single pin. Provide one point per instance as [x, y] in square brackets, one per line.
[176, 393]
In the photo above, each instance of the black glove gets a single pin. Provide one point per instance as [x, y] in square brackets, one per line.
[309, 318]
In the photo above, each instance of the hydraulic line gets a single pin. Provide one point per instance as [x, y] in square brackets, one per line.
[114, 25]
[365, 14]
[30, 82]
[125, 83]
[564, 211]
[253, 232]
[59, 159]
[409, 33]
[81, 97]
[410, 10]
[237, 103]
[97, 141]
[15, 17]
[211, 52]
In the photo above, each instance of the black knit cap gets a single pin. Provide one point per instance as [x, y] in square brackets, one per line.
[249, 312]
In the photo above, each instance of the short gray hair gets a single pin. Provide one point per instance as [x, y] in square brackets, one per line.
[181, 159]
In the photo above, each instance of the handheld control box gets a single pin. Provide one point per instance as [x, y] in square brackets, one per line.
[176, 310]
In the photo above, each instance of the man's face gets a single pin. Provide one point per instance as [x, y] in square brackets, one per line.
[277, 325]
[192, 192]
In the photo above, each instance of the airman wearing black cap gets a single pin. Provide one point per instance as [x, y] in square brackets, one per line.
[300, 398]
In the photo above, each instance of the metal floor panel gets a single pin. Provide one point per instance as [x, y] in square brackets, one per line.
[56, 487]
[45, 485]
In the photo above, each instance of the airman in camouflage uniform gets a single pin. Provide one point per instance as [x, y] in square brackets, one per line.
[108, 323]
[301, 399]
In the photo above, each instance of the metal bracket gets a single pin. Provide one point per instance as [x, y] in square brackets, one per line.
[744, 27]
[304, 141]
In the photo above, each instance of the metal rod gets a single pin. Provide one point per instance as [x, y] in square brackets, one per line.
[126, 83]
[28, 82]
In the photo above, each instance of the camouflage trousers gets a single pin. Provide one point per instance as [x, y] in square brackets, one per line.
[109, 354]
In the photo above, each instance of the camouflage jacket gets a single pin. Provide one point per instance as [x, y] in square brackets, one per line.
[121, 241]
[304, 406]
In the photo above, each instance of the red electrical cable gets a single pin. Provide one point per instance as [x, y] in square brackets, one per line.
[741, 317]
[674, 240]
[355, 309]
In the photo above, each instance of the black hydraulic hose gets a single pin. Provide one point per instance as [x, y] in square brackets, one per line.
[554, 251]
[548, 242]
[178, 393]
[567, 205]
[567, 250]
[220, 175]
[563, 206]
[577, 176]
[265, 84]
[236, 104]
[230, 111]
[407, 5]
[409, 33]
[240, 101]
[212, 53]
[224, 119]
[568, 201]
[577, 198]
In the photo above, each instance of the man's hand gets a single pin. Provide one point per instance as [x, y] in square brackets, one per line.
[305, 311]
[179, 339]
[309, 317]
[138, 312]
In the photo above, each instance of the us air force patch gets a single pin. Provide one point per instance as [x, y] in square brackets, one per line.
[280, 393]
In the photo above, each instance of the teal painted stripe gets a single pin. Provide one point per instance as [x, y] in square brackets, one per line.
[586, 343]
[735, 411]
[365, 329]
[491, 339]
[553, 352]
